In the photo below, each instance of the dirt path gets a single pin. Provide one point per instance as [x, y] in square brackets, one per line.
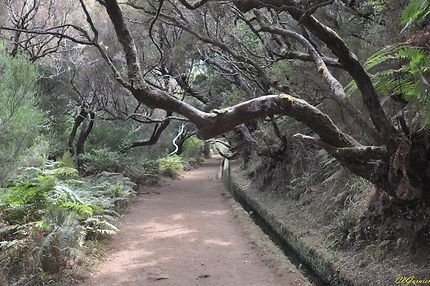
[184, 233]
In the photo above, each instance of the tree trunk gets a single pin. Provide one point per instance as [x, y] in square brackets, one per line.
[78, 121]
[86, 129]
[249, 144]
[84, 120]
[85, 132]
[180, 140]
[180, 149]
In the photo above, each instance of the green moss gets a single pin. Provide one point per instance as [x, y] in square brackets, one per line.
[287, 97]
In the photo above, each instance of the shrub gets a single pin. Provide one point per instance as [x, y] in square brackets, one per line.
[67, 160]
[48, 214]
[108, 134]
[193, 149]
[20, 120]
[104, 159]
[171, 166]
[139, 171]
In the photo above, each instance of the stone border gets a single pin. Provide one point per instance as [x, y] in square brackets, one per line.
[320, 266]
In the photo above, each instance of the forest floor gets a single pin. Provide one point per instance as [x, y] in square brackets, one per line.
[190, 232]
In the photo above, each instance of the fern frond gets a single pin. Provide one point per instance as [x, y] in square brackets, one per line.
[63, 173]
[415, 10]
[81, 209]
[396, 52]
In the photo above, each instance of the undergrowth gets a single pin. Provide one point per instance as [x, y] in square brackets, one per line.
[51, 217]
[48, 215]
[142, 170]
[318, 185]
[171, 166]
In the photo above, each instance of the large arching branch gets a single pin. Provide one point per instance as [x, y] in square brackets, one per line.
[351, 64]
[211, 124]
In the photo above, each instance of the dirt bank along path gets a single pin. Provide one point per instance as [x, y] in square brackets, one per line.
[184, 233]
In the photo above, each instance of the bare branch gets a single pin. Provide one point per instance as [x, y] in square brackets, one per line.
[155, 136]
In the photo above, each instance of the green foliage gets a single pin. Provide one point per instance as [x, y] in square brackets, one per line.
[104, 159]
[67, 161]
[234, 97]
[171, 166]
[281, 69]
[193, 149]
[99, 160]
[47, 214]
[403, 71]
[108, 135]
[61, 236]
[63, 172]
[81, 209]
[246, 35]
[375, 8]
[56, 106]
[345, 229]
[20, 120]
[416, 10]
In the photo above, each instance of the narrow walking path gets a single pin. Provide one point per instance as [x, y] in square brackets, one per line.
[184, 233]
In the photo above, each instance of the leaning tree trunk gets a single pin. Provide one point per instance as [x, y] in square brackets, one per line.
[83, 136]
[155, 136]
[249, 144]
[84, 121]
[78, 121]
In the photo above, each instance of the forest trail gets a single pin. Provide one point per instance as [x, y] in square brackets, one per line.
[184, 233]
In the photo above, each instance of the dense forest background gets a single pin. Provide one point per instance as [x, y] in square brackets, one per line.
[324, 103]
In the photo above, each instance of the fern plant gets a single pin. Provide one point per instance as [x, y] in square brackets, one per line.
[402, 68]
[47, 214]
[416, 10]
[403, 71]
[171, 166]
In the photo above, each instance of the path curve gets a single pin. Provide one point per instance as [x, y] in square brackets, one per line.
[184, 233]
